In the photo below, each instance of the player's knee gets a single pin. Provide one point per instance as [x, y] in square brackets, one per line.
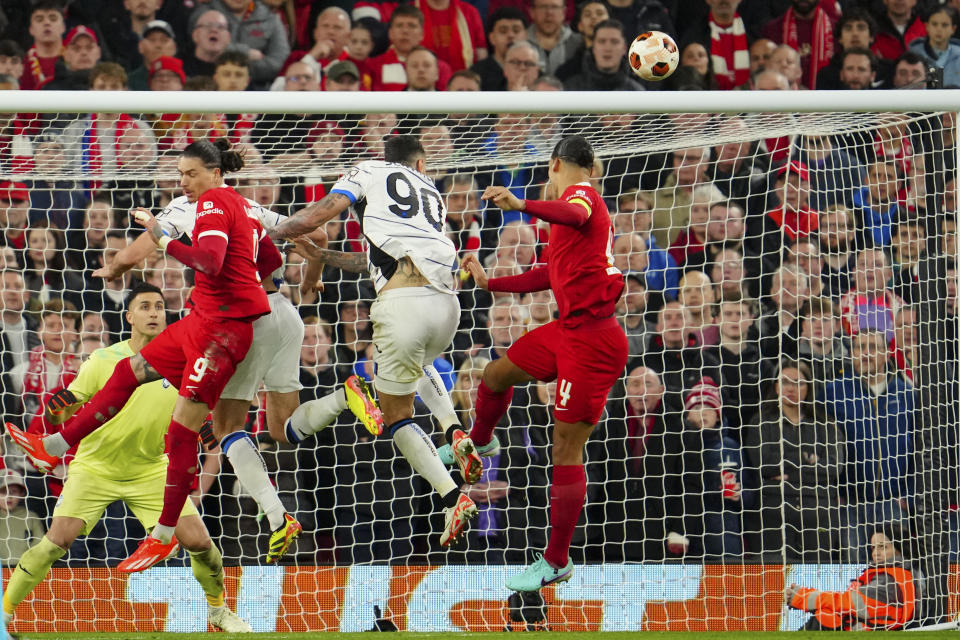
[63, 533]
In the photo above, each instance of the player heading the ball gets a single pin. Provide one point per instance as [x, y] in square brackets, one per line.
[416, 313]
[585, 350]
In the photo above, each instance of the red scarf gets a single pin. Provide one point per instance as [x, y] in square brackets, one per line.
[35, 67]
[639, 429]
[729, 53]
[92, 156]
[796, 224]
[459, 49]
[821, 44]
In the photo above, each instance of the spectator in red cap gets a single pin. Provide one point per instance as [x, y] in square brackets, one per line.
[46, 28]
[703, 488]
[14, 207]
[785, 222]
[81, 52]
[158, 40]
[166, 74]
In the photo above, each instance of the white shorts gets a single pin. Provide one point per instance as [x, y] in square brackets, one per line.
[274, 355]
[411, 327]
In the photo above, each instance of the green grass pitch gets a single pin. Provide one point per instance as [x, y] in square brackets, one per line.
[647, 635]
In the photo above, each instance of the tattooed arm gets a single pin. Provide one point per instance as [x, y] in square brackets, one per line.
[311, 217]
[352, 261]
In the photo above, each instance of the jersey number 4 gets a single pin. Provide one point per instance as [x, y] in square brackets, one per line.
[413, 202]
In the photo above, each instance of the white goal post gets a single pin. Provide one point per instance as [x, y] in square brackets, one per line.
[798, 248]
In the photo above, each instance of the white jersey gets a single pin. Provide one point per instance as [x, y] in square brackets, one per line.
[178, 218]
[402, 215]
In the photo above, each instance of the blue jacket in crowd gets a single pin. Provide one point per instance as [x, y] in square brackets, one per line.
[879, 433]
[948, 60]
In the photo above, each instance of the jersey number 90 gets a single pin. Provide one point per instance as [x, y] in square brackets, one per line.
[409, 202]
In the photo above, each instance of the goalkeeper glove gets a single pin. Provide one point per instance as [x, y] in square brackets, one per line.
[206, 435]
[61, 401]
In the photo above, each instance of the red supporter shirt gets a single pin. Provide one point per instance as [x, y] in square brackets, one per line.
[582, 275]
[236, 291]
[454, 33]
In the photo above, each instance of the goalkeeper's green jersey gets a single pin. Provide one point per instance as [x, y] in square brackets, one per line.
[130, 446]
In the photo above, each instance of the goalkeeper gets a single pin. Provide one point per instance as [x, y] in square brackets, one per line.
[123, 460]
[883, 598]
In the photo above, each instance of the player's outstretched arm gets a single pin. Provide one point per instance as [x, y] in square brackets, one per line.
[536, 279]
[127, 258]
[570, 213]
[352, 261]
[311, 217]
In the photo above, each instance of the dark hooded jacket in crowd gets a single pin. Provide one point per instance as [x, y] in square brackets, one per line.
[592, 79]
[626, 470]
[799, 469]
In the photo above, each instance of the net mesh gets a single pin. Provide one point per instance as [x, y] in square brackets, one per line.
[805, 263]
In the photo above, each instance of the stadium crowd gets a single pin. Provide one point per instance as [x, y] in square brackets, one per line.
[767, 410]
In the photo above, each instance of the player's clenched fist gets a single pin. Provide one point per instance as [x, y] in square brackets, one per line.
[145, 219]
[503, 198]
[471, 265]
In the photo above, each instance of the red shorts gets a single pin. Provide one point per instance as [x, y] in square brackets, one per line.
[586, 362]
[199, 355]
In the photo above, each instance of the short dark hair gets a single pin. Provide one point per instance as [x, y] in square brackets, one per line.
[199, 83]
[468, 74]
[821, 306]
[855, 14]
[108, 70]
[48, 5]
[406, 11]
[951, 12]
[139, 289]
[403, 149]
[236, 58]
[911, 57]
[11, 49]
[574, 149]
[609, 23]
[860, 51]
[506, 13]
[549, 80]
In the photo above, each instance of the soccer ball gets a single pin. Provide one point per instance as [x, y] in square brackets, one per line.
[653, 55]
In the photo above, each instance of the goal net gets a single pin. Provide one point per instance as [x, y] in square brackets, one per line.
[804, 263]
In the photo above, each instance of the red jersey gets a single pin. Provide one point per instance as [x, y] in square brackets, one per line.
[582, 275]
[236, 291]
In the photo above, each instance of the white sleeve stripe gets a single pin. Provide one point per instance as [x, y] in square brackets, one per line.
[219, 234]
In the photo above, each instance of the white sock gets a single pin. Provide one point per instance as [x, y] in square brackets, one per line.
[313, 416]
[251, 471]
[55, 445]
[419, 451]
[163, 533]
[434, 394]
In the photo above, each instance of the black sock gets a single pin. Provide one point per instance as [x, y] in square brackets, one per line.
[448, 434]
[451, 498]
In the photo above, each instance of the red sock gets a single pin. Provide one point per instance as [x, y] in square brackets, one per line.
[181, 470]
[105, 404]
[566, 502]
[490, 408]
